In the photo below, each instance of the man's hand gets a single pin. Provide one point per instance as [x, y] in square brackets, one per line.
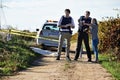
[65, 26]
[68, 25]
[62, 26]
[87, 24]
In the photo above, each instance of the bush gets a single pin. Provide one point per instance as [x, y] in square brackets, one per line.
[109, 35]
[74, 37]
[15, 55]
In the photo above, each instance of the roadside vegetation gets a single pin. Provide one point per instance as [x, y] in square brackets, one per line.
[109, 34]
[16, 55]
[74, 38]
[112, 66]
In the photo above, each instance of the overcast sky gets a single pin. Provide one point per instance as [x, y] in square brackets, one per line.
[31, 14]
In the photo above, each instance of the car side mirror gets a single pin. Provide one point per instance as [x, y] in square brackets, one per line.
[37, 29]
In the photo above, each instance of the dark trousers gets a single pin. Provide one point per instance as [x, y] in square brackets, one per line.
[83, 36]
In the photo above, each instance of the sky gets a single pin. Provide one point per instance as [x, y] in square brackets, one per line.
[31, 14]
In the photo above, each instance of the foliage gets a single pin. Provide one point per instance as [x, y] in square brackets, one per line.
[15, 55]
[112, 66]
[74, 37]
[109, 36]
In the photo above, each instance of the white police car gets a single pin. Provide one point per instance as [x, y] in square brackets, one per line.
[49, 35]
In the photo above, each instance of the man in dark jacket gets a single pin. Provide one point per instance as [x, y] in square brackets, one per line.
[83, 35]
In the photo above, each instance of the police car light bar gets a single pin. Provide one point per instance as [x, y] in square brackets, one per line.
[51, 21]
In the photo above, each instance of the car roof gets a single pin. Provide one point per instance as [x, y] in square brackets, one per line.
[51, 22]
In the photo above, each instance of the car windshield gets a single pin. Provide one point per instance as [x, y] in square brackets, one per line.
[51, 27]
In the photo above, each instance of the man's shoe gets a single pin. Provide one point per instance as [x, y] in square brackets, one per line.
[89, 60]
[75, 60]
[68, 58]
[58, 58]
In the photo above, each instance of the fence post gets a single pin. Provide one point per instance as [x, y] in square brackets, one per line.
[9, 35]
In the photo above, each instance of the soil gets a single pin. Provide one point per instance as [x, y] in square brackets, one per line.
[48, 68]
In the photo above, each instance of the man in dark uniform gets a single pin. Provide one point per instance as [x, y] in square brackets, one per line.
[84, 21]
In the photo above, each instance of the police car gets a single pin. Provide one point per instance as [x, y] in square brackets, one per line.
[49, 35]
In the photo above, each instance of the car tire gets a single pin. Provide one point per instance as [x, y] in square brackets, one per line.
[43, 46]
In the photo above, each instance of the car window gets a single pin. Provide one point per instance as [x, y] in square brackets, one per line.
[51, 27]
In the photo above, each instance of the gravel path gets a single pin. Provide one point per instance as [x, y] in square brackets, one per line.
[48, 68]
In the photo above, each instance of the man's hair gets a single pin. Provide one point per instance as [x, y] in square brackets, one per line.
[68, 10]
[88, 12]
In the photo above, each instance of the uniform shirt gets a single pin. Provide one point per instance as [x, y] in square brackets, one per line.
[63, 21]
[86, 20]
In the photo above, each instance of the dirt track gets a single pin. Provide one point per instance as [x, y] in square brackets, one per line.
[49, 69]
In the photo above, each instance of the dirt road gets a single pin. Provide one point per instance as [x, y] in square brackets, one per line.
[48, 68]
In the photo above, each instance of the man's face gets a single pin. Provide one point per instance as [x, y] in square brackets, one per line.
[67, 13]
[87, 15]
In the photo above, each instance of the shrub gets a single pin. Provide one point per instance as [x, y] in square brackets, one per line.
[109, 35]
[15, 55]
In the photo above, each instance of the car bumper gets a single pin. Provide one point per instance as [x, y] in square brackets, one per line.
[50, 43]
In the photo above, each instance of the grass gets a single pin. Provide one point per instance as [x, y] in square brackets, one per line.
[68, 65]
[112, 66]
[15, 55]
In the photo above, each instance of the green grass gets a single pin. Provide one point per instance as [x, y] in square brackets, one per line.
[112, 66]
[66, 66]
[15, 55]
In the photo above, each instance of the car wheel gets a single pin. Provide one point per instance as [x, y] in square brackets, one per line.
[43, 46]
